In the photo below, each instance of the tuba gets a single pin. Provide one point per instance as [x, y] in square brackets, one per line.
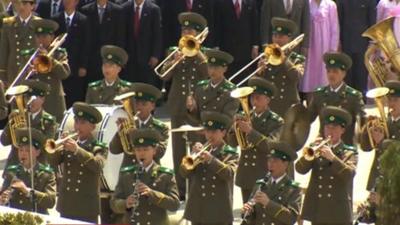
[242, 95]
[382, 33]
[128, 124]
[51, 146]
[17, 118]
[192, 161]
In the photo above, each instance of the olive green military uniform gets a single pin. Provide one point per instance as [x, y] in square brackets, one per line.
[14, 38]
[184, 77]
[151, 209]
[329, 196]
[3, 103]
[80, 185]
[266, 126]
[211, 183]
[99, 92]
[345, 97]
[55, 101]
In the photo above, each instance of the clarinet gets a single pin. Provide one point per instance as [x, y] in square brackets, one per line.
[247, 214]
[136, 194]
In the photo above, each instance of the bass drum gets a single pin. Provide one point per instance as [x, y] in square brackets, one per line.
[104, 132]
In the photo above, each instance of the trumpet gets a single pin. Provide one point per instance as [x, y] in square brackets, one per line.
[51, 146]
[189, 46]
[312, 152]
[273, 54]
[190, 162]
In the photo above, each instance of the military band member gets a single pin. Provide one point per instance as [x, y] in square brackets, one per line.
[144, 104]
[264, 125]
[17, 185]
[276, 198]
[104, 91]
[3, 103]
[328, 199]
[286, 75]
[40, 119]
[338, 93]
[211, 182]
[155, 186]
[16, 35]
[82, 162]
[183, 78]
[213, 94]
[59, 70]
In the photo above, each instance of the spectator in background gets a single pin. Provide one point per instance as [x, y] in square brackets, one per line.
[49, 8]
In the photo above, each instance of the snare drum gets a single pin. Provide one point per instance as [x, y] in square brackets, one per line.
[104, 132]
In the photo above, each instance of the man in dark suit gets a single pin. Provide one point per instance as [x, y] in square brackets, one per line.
[49, 8]
[143, 39]
[237, 31]
[296, 10]
[105, 19]
[355, 16]
[77, 42]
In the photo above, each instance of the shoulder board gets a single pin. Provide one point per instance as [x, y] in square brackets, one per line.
[352, 91]
[172, 48]
[159, 124]
[229, 150]
[350, 148]
[61, 50]
[100, 144]
[46, 168]
[228, 85]
[127, 169]
[260, 181]
[203, 49]
[95, 83]
[125, 83]
[292, 183]
[27, 52]
[203, 82]
[320, 89]
[275, 116]
[166, 170]
[47, 116]
[9, 20]
[36, 18]
[14, 168]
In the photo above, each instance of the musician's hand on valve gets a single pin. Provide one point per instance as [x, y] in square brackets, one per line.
[326, 152]
[247, 207]
[177, 56]
[71, 145]
[143, 189]
[261, 198]
[206, 155]
[130, 201]
[120, 121]
[244, 126]
[262, 63]
[197, 147]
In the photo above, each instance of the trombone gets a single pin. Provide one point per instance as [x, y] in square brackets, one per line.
[190, 162]
[242, 95]
[273, 55]
[312, 152]
[189, 46]
[38, 62]
[52, 146]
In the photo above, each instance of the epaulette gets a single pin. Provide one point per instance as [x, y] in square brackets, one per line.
[350, 148]
[128, 169]
[48, 117]
[228, 86]
[14, 168]
[61, 50]
[260, 181]
[100, 144]
[320, 89]
[166, 170]
[203, 82]
[203, 49]
[46, 168]
[275, 116]
[125, 83]
[352, 91]
[229, 150]
[95, 83]
[159, 124]
[292, 183]
[27, 52]
[9, 20]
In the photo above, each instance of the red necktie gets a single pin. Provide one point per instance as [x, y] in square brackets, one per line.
[137, 22]
[237, 9]
[188, 5]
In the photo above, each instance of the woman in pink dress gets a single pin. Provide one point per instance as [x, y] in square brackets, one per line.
[387, 8]
[324, 37]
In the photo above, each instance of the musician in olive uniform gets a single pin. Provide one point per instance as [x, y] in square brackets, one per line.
[18, 176]
[16, 34]
[40, 119]
[328, 199]
[57, 72]
[286, 75]
[211, 182]
[188, 72]
[82, 163]
[213, 94]
[154, 185]
[338, 93]
[104, 91]
[144, 103]
[3, 103]
[265, 125]
[276, 198]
